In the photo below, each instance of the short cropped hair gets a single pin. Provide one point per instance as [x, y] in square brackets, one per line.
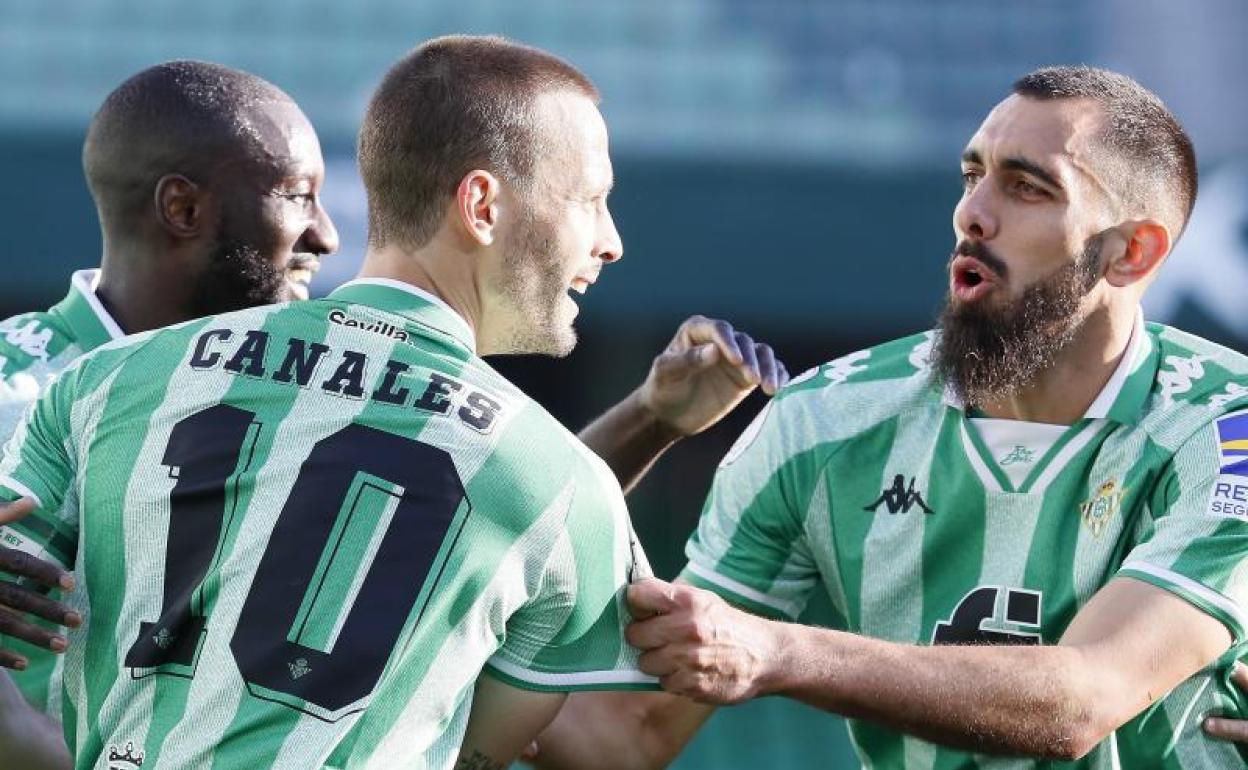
[175, 117]
[1154, 163]
[452, 105]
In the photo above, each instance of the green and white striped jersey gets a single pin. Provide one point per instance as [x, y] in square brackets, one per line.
[865, 477]
[301, 532]
[34, 348]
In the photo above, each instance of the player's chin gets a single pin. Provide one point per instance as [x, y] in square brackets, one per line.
[296, 291]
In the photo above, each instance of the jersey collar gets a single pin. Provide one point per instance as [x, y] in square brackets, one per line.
[1123, 397]
[411, 302]
[87, 320]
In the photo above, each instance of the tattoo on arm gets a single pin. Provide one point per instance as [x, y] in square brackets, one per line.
[478, 761]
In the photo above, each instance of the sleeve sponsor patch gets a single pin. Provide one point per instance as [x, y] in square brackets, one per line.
[1230, 489]
[1233, 444]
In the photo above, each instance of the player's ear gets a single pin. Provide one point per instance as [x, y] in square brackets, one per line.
[477, 205]
[180, 206]
[1144, 246]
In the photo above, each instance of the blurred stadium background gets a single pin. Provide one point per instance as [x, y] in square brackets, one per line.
[790, 165]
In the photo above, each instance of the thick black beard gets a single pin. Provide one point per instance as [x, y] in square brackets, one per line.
[987, 353]
[237, 277]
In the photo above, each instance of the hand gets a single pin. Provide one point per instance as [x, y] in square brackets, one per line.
[705, 371]
[698, 645]
[1231, 729]
[17, 600]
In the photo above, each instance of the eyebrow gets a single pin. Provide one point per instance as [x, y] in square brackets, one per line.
[1015, 163]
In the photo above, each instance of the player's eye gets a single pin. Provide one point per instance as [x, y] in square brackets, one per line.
[969, 178]
[1029, 190]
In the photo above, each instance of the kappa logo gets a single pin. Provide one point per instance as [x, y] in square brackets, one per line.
[127, 761]
[846, 366]
[30, 339]
[1234, 392]
[1179, 379]
[900, 498]
[921, 356]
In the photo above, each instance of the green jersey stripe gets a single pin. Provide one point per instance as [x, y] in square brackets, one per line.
[325, 519]
[866, 477]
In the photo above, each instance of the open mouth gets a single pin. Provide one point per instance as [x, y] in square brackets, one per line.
[970, 278]
[579, 285]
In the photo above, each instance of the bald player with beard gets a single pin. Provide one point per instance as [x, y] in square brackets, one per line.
[1031, 522]
[206, 180]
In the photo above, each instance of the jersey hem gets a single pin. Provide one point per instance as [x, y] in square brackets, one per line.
[543, 681]
[21, 489]
[738, 593]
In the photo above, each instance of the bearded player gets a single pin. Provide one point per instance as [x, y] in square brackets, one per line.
[1032, 523]
[206, 180]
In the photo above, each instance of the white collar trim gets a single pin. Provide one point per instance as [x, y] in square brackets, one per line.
[85, 282]
[469, 336]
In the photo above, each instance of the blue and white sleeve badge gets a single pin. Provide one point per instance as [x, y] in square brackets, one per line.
[1230, 490]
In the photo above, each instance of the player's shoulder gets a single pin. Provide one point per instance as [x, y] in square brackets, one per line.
[1193, 372]
[1197, 383]
[866, 386]
[848, 399]
[35, 340]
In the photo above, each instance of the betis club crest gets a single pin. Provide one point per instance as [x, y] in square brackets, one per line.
[1100, 509]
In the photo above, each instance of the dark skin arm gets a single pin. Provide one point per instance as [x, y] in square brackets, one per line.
[703, 374]
[1231, 729]
[17, 600]
[30, 739]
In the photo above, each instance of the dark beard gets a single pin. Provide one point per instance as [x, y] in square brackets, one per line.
[237, 277]
[987, 353]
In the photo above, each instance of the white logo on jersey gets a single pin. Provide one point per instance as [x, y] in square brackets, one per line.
[1234, 391]
[806, 375]
[1180, 379]
[921, 356]
[20, 387]
[747, 437]
[30, 339]
[844, 367]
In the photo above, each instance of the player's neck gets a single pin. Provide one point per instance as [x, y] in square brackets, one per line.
[141, 294]
[1062, 394]
[446, 276]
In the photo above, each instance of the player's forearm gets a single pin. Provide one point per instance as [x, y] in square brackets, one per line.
[619, 731]
[1040, 701]
[28, 739]
[629, 438]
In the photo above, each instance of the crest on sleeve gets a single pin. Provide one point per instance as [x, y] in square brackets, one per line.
[1233, 444]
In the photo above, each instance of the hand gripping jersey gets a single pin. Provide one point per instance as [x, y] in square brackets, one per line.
[34, 349]
[864, 477]
[302, 531]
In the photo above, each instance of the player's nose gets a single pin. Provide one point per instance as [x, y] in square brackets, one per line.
[321, 237]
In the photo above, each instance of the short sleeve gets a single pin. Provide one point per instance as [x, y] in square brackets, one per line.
[750, 544]
[570, 634]
[1198, 544]
[38, 464]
